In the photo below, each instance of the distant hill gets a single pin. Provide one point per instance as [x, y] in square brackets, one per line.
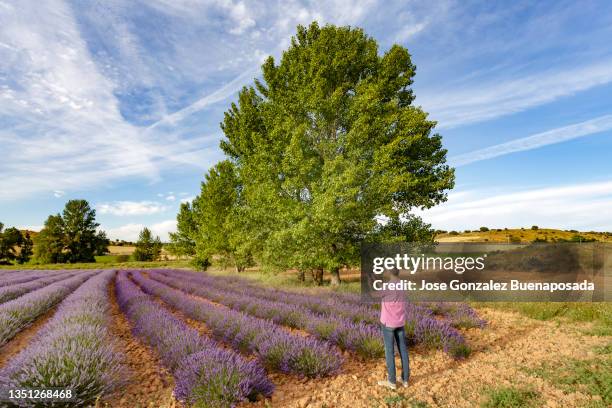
[523, 235]
[33, 234]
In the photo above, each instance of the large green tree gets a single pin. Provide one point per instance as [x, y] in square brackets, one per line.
[72, 236]
[322, 148]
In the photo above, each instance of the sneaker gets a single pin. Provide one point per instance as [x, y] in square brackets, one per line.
[404, 384]
[387, 384]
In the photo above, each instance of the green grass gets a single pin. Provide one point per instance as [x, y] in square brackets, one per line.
[600, 313]
[395, 400]
[285, 280]
[510, 397]
[592, 377]
[114, 258]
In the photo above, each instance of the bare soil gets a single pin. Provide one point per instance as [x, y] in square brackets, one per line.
[150, 383]
[503, 352]
[24, 337]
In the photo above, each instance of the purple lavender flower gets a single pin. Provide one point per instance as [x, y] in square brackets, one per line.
[206, 375]
[19, 313]
[275, 347]
[73, 350]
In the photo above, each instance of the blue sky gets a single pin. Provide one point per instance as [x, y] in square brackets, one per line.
[119, 102]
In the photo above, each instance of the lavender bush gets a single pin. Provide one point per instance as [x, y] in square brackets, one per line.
[360, 332]
[12, 291]
[19, 313]
[73, 350]
[26, 276]
[349, 305]
[276, 348]
[218, 378]
[458, 314]
[324, 304]
[362, 338]
[205, 374]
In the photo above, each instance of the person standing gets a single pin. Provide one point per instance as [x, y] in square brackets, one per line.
[393, 319]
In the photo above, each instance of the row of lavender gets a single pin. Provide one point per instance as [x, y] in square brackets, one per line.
[13, 291]
[275, 347]
[359, 337]
[363, 338]
[205, 373]
[459, 315]
[19, 313]
[73, 350]
[25, 276]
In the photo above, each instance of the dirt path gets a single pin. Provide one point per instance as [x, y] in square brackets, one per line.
[24, 337]
[150, 385]
[503, 351]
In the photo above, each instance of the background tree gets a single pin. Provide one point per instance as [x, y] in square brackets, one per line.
[82, 241]
[183, 241]
[147, 247]
[72, 236]
[26, 249]
[217, 212]
[10, 241]
[49, 246]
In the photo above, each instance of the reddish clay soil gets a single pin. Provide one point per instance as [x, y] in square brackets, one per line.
[23, 338]
[150, 383]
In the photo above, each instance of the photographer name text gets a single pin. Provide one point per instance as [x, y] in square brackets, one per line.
[491, 285]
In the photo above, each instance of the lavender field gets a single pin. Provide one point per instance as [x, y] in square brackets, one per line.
[209, 341]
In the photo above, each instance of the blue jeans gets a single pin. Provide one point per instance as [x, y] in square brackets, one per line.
[393, 336]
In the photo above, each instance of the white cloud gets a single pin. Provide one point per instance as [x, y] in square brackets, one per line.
[579, 206]
[58, 193]
[553, 136]
[214, 97]
[409, 31]
[124, 208]
[170, 197]
[129, 232]
[485, 100]
[58, 108]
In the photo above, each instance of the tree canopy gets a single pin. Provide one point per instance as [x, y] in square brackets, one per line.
[14, 246]
[148, 248]
[320, 150]
[72, 236]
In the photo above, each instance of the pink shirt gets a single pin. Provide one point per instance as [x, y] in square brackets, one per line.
[393, 311]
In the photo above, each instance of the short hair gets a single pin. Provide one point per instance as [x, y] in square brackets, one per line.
[394, 271]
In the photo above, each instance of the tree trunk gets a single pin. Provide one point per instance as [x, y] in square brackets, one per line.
[335, 276]
[301, 275]
[317, 276]
[239, 269]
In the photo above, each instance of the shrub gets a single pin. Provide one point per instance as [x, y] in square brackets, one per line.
[484, 229]
[122, 258]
